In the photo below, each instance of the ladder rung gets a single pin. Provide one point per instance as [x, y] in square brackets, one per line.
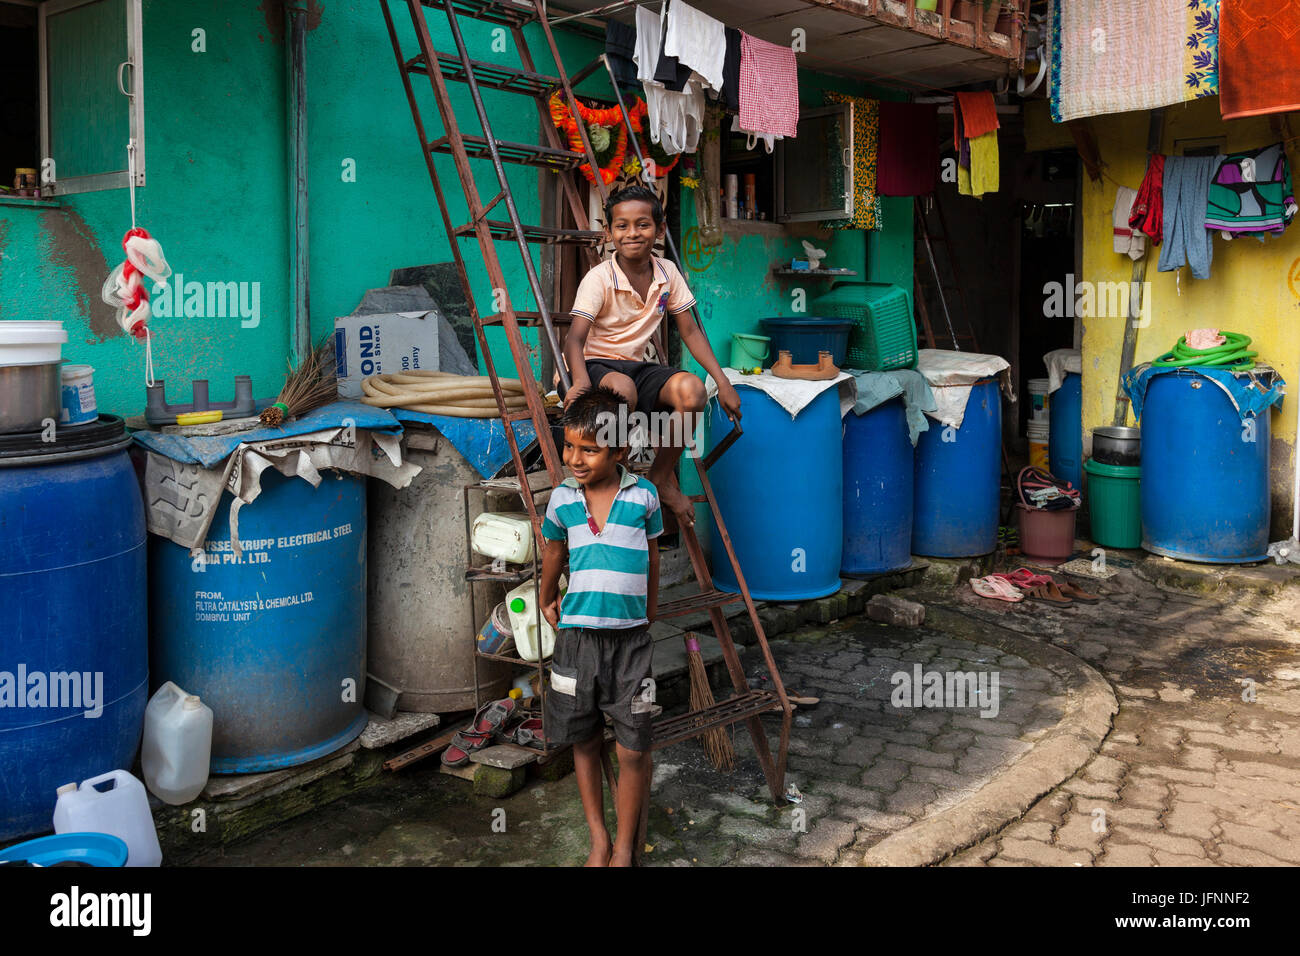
[528, 318]
[491, 11]
[542, 234]
[722, 714]
[697, 602]
[495, 76]
[520, 415]
[524, 154]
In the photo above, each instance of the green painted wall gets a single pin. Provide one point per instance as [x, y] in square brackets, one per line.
[217, 195]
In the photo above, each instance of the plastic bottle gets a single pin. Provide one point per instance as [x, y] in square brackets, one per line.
[507, 535]
[113, 803]
[177, 745]
[522, 605]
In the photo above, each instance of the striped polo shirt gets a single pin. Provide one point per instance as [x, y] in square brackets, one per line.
[608, 572]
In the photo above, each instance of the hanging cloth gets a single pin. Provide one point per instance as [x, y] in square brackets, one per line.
[696, 40]
[983, 175]
[1259, 47]
[1128, 241]
[1187, 192]
[1148, 213]
[866, 150]
[620, 49]
[769, 87]
[1250, 193]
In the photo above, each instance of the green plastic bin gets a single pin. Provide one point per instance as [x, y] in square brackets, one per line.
[884, 332]
[1114, 503]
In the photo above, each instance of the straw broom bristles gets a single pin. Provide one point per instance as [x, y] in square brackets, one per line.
[307, 387]
[716, 742]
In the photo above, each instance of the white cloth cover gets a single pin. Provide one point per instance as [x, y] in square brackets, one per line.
[1059, 363]
[676, 120]
[792, 394]
[951, 376]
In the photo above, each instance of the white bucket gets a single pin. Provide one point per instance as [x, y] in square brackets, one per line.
[78, 395]
[31, 343]
[1037, 433]
[1038, 399]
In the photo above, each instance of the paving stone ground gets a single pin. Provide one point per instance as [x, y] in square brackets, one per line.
[865, 769]
[1202, 766]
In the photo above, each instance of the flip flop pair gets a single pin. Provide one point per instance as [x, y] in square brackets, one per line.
[997, 588]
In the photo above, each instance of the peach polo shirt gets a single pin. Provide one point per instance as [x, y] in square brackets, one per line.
[621, 321]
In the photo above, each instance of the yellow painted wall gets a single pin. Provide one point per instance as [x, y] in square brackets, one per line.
[1253, 287]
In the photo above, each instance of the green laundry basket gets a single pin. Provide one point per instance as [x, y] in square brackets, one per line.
[884, 333]
[1114, 503]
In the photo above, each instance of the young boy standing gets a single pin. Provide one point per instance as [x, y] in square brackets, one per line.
[618, 307]
[604, 519]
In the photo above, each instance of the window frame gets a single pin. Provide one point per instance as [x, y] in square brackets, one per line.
[135, 100]
[845, 209]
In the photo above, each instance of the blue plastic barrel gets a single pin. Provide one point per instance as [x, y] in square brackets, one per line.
[275, 641]
[958, 479]
[878, 462]
[74, 645]
[1204, 489]
[1065, 438]
[779, 489]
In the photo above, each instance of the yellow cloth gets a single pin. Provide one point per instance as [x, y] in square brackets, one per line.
[982, 177]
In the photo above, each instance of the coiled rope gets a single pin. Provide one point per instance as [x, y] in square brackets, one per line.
[443, 393]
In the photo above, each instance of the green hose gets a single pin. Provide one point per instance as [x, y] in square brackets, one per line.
[1234, 353]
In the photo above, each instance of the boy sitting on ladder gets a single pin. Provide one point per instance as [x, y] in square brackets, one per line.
[618, 307]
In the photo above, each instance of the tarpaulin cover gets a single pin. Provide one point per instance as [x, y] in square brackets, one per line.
[1250, 392]
[210, 451]
[480, 441]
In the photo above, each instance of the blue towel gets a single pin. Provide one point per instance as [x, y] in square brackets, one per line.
[1186, 241]
[876, 388]
[1252, 393]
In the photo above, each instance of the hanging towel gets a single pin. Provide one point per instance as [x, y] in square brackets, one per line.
[649, 27]
[1116, 56]
[1259, 47]
[1149, 206]
[909, 149]
[1250, 193]
[697, 40]
[974, 114]
[671, 73]
[1128, 241]
[675, 120]
[1187, 192]
[769, 87]
[620, 49]
[731, 71]
[866, 148]
[982, 177]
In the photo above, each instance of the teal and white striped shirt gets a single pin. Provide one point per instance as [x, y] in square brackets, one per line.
[609, 571]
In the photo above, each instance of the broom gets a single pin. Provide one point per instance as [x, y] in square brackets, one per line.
[307, 387]
[716, 742]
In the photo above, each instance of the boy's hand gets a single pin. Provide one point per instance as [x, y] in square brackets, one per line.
[729, 399]
[551, 612]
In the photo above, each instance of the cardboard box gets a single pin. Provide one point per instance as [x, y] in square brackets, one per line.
[391, 342]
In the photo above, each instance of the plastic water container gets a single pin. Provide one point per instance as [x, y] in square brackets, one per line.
[1039, 434]
[113, 803]
[507, 535]
[521, 603]
[177, 745]
[78, 389]
[1038, 399]
[1065, 440]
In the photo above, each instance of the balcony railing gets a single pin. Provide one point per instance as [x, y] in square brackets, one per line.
[942, 25]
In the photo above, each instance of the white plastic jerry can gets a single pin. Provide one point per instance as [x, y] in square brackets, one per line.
[522, 605]
[114, 803]
[177, 746]
[507, 535]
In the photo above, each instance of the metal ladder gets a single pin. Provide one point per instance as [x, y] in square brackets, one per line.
[746, 704]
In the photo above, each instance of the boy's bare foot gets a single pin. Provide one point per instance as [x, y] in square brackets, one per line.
[621, 858]
[600, 852]
[670, 493]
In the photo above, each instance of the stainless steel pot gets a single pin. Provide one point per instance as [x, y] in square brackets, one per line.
[1113, 445]
[29, 394]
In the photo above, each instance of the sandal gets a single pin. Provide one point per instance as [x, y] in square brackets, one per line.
[529, 734]
[1076, 593]
[996, 588]
[1024, 578]
[487, 723]
[1049, 594]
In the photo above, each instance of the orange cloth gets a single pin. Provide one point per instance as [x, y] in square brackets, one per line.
[974, 114]
[1259, 45]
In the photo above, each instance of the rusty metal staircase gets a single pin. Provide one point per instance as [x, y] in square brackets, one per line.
[441, 68]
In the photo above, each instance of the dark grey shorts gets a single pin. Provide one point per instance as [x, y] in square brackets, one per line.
[601, 671]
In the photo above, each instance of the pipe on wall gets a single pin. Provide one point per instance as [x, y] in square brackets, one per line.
[300, 341]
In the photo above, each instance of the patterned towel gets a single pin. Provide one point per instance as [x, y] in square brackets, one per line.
[866, 146]
[1116, 56]
[1259, 44]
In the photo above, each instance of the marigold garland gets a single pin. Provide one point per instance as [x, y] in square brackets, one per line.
[611, 160]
